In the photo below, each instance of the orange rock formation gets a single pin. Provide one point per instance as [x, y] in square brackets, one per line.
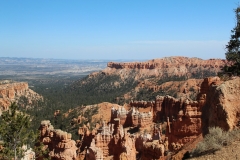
[167, 67]
[184, 119]
[59, 143]
[222, 105]
[11, 92]
[169, 62]
[106, 141]
[183, 115]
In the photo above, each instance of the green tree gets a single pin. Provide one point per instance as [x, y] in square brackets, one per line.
[233, 47]
[15, 132]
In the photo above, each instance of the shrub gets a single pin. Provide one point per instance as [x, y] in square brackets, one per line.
[215, 140]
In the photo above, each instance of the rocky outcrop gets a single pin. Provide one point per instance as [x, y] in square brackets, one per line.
[183, 115]
[132, 118]
[153, 150]
[106, 141]
[153, 146]
[102, 112]
[13, 91]
[186, 125]
[223, 105]
[220, 106]
[59, 143]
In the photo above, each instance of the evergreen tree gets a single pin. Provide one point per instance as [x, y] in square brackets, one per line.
[14, 133]
[233, 48]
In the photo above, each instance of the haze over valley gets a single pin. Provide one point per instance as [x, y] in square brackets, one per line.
[119, 80]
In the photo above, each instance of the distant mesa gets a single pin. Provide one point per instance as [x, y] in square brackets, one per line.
[169, 62]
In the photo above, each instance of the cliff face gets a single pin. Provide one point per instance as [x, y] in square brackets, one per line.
[136, 78]
[13, 91]
[223, 105]
[183, 117]
[170, 62]
[169, 66]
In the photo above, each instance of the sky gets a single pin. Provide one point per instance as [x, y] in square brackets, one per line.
[115, 29]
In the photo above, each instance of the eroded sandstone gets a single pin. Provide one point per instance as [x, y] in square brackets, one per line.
[117, 140]
[58, 142]
[223, 105]
[12, 92]
[167, 67]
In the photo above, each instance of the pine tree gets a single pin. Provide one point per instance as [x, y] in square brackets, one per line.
[233, 48]
[14, 132]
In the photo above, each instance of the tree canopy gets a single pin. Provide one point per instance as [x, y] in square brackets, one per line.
[14, 133]
[233, 47]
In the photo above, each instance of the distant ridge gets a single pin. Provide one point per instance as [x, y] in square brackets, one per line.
[167, 62]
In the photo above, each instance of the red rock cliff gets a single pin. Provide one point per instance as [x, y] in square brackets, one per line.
[169, 62]
[183, 115]
[12, 91]
[166, 67]
[223, 105]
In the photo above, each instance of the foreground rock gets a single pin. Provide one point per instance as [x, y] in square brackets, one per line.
[223, 105]
[59, 143]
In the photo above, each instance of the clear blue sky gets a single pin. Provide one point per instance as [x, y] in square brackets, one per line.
[115, 29]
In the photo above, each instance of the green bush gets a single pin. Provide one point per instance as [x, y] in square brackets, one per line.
[215, 140]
